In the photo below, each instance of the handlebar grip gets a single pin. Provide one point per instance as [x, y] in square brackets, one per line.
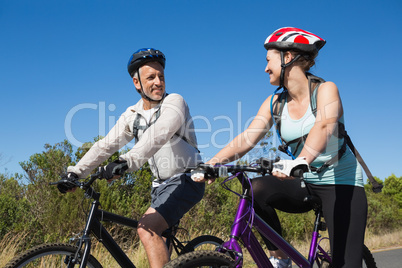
[297, 173]
[63, 181]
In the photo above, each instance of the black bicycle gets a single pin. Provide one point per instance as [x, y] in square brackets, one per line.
[79, 254]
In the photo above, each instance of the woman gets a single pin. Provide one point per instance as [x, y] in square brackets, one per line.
[316, 136]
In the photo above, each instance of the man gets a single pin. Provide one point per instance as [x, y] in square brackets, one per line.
[164, 133]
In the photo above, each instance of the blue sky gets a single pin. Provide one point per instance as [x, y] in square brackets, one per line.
[64, 63]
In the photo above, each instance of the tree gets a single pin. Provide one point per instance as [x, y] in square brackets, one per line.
[393, 187]
[128, 196]
[13, 205]
[45, 200]
[384, 212]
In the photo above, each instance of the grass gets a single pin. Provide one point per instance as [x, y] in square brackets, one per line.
[9, 247]
[10, 244]
[136, 254]
[387, 240]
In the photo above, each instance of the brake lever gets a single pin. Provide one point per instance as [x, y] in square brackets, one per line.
[267, 164]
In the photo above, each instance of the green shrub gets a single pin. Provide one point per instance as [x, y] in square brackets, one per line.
[29, 204]
[384, 209]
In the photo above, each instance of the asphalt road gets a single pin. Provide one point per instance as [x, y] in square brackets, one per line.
[389, 258]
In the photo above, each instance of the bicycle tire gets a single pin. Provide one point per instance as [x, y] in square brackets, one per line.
[201, 258]
[203, 242]
[367, 259]
[46, 255]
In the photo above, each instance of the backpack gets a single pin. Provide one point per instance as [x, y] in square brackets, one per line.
[340, 132]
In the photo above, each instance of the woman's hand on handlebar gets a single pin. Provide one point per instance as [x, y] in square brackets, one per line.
[203, 174]
[282, 169]
[289, 169]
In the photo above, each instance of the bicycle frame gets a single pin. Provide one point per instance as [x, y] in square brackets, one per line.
[245, 219]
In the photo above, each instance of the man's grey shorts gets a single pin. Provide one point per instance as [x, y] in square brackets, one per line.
[176, 197]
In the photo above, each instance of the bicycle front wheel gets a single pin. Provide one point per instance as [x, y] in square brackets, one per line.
[50, 255]
[201, 258]
[204, 242]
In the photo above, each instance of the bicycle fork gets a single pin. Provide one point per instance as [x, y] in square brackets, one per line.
[315, 248]
[85, 241]
[241, 229]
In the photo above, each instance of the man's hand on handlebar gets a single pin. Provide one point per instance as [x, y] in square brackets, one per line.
[114, 170]
[68, 184]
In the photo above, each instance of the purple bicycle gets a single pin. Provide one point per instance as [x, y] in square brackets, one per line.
[230, 253]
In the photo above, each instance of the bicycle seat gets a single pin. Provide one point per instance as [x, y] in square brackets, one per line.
[314, 201]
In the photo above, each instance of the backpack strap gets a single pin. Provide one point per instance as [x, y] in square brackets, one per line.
[276, 114]
[137, 127]
[376, 186]
[312, 80]
[331, 161]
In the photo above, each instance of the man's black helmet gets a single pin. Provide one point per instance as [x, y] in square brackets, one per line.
[143, 56]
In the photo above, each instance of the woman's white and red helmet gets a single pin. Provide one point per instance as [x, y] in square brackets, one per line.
[290, 38]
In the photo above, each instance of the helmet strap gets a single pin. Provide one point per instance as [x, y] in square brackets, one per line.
[283, 65]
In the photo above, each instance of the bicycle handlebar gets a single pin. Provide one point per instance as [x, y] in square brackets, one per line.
[262, 166]
[83, 185]
[222, 170]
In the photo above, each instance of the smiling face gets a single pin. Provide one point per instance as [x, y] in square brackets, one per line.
[273, 66]
[152, 80]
